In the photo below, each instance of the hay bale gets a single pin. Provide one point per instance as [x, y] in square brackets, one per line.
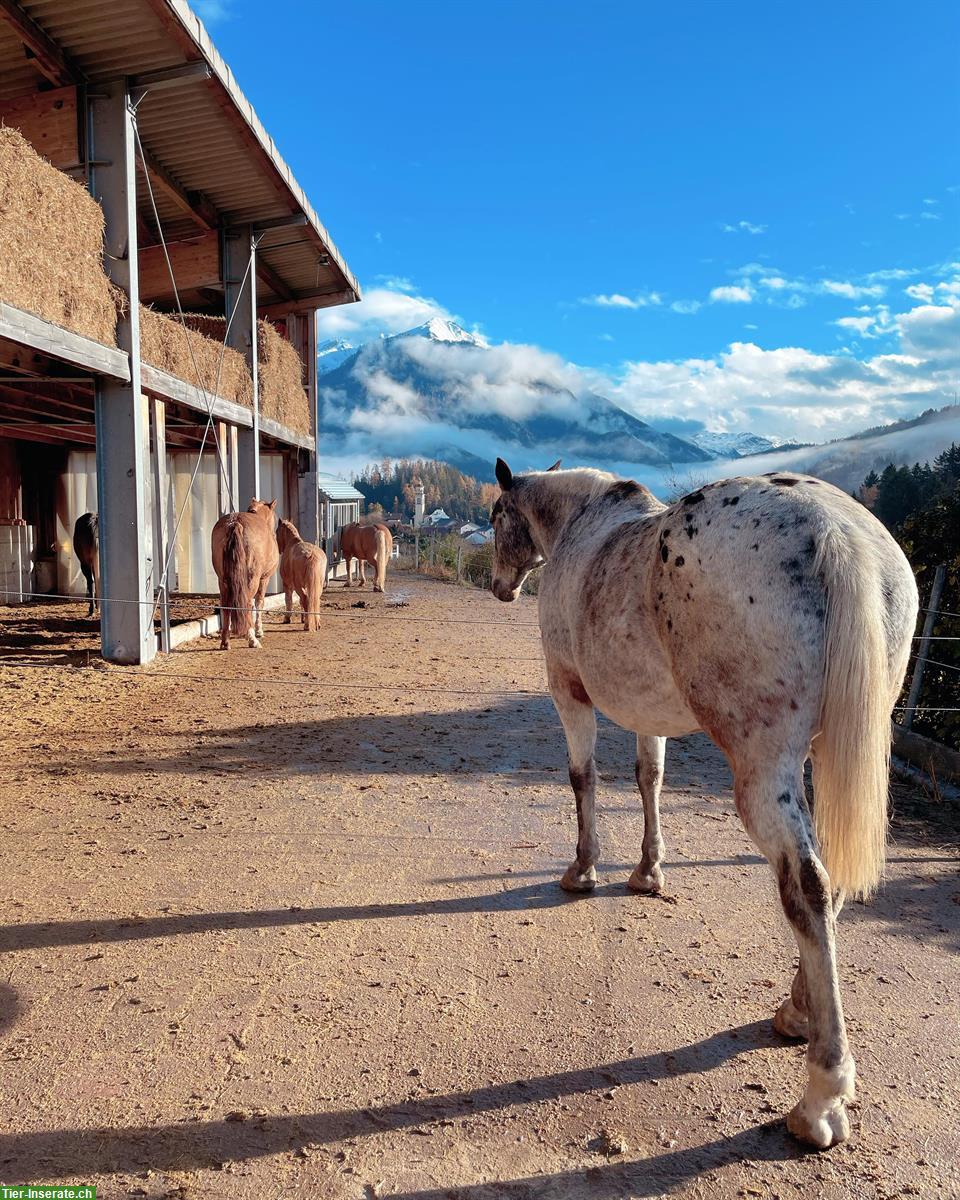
[51, 231]
[282, 396]
[187, 353]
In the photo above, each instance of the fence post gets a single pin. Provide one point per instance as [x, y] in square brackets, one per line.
[459, 562]
[916, 683]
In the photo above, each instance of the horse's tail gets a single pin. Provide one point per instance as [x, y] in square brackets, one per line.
[382, 557]
[237, 575]
[316, 578]
[851, 755]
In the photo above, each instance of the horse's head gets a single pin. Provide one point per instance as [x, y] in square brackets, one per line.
[265, 510]
[286, 533]
[514, 552]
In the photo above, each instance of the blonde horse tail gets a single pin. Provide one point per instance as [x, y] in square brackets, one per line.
[237, 575]
[317, 569]
[851, 754]
[382, 557]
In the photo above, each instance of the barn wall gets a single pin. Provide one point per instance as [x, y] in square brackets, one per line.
[192, 570]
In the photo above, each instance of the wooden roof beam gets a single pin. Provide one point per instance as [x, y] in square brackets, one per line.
[273, 281]
[306, 303]
[45, 52]
[193, 204]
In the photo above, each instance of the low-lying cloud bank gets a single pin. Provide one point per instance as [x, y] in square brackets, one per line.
[789, 393]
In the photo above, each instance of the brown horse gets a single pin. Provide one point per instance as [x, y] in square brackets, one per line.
[303, 569]
[245, 555]
[86, 546]
[367, 544]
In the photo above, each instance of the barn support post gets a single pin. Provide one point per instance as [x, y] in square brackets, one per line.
[123, 447]
[240, 294]
[161, 533]
[225, 493]
[309, 485]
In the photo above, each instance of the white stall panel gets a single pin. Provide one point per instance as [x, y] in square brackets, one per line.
[77, 496]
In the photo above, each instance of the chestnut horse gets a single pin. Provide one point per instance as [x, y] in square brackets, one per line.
[86, 546]
[245, 555]
[303, 569]
[367, 544]
[774, 613]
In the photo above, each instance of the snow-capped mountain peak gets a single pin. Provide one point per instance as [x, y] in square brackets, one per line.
[332, 353]
[732, 445]
[440, 329]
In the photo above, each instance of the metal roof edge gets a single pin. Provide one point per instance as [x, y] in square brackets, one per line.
[194, 28]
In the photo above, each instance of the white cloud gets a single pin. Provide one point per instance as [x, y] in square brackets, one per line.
[686, 307]
[929, 216]
[731, 294]
[920, 291]
[212, 11]
[382, 310]
[744, 227]
[852, 291]
[618, 300]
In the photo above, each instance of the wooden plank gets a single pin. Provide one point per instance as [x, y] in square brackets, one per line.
[283, 434]
[268, 275]
[196, 264]
[307, 303]
[48, 120]
[56, 342]
[49, 58]
[169, 387]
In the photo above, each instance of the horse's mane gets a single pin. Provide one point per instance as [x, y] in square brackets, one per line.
[583, 483]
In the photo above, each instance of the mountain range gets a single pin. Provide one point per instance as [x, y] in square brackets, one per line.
[442, 391]
[439, 391]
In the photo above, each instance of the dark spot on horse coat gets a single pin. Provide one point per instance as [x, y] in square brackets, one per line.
[669, 623]
[750, 598]
[814, 888]
[785, 481]
[784, 798]
[792, 900]
[664, 553]
[691, 530]
[694, 498]
[679, 560]
[755, 546]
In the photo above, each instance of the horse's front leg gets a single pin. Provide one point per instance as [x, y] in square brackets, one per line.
[258, 609]
[773, 808]
[361, 572]
[288, 604]
[648, 876]
[580, 725]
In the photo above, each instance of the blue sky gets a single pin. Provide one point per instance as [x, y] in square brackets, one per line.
[638, 187]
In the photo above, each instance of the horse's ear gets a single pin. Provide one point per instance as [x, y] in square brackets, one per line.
[273, 505]
[504, 476]
[556, 465]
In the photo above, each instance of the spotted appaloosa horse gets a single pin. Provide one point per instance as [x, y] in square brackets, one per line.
[303, 569]
[773, 613]
[245, 555]
[86, 546]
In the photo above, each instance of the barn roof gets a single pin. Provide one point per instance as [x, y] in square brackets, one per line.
[211, 154]
[332, 488]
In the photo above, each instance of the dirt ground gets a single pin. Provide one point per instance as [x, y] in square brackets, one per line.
[286, 924]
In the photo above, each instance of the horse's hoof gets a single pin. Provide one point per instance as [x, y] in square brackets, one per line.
[254, 643]
[574, 880]
[820, 1130]
[646, 881]
[790, 1022]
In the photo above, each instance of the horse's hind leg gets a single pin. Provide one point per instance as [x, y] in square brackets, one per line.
[580, 725]
[88, 576]
[790, 1019]
[771, 803]
[648, 876]
[288, 605]
[257, 614]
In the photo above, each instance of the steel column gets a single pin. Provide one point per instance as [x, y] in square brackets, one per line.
[123, 445]
[240, 293]
[309, 495]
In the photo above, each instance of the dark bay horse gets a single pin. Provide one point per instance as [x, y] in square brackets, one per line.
[86, 546]
[303, 569]
[245, 555]
[774, 613]
[367, 544]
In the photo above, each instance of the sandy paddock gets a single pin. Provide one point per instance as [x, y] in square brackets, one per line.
[287, 924]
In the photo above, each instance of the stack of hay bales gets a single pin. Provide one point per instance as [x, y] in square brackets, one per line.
[189, 352]
[51, 231]
[280, 374]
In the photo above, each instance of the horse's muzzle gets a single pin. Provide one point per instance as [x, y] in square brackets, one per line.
[503, 591]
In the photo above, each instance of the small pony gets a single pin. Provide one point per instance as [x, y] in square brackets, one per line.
[367, 544]
[303, 569]
[86, 546]
[245, 555]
